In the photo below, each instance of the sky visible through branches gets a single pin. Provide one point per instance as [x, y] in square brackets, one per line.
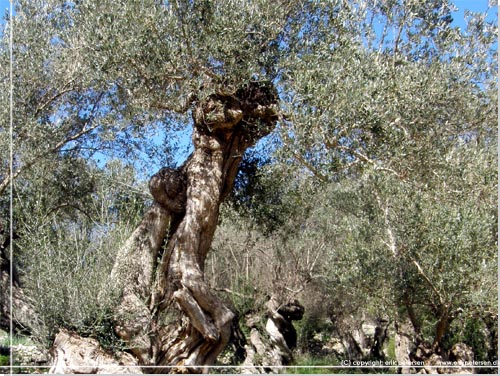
[183, 136]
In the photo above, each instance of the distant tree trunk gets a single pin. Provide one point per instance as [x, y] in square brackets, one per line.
[441, 326]
[22, 309]
[412, 315]
[271, 346]
[4, 289]
[160, 278]
[379, 339]
[10, 287]
[404, 346]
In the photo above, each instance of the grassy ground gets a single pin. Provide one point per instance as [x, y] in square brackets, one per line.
[307, 364]
[4, 360]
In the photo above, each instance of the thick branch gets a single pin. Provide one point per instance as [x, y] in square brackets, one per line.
[149, 275]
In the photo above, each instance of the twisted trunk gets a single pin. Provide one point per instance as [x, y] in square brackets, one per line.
[270, 347]
[159, 273]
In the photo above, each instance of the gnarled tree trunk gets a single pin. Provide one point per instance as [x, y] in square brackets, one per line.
[271, 347]
[159, 272]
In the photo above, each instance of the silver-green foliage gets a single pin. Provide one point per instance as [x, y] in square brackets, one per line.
[89, 75]
[67, 247]
[396, 101]
[410, 114]
[387, 103]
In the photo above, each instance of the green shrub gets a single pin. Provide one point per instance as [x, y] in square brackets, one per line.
[4, 360]
[65, 265]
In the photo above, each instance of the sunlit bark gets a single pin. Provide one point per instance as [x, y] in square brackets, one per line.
[152, 277]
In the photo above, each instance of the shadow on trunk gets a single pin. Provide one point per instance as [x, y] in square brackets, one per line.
[270, 346]
[159, 271]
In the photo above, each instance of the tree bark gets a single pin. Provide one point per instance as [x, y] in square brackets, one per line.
[271, 347]
[10, 288]
[22, 309]
[74, 354]
[441, 326]
[159, 273]
[404, 346]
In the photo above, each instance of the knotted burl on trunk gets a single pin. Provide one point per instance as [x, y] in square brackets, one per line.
[168, 188]
[160, 268]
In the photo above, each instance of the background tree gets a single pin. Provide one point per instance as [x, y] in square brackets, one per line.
[395, 109]
[228, 96]
[393, 112]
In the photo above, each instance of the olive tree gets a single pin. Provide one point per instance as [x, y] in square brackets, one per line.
[103, 72]
[96, 75]
[412, 110]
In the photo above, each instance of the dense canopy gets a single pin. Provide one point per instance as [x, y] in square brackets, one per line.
[367, 136]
